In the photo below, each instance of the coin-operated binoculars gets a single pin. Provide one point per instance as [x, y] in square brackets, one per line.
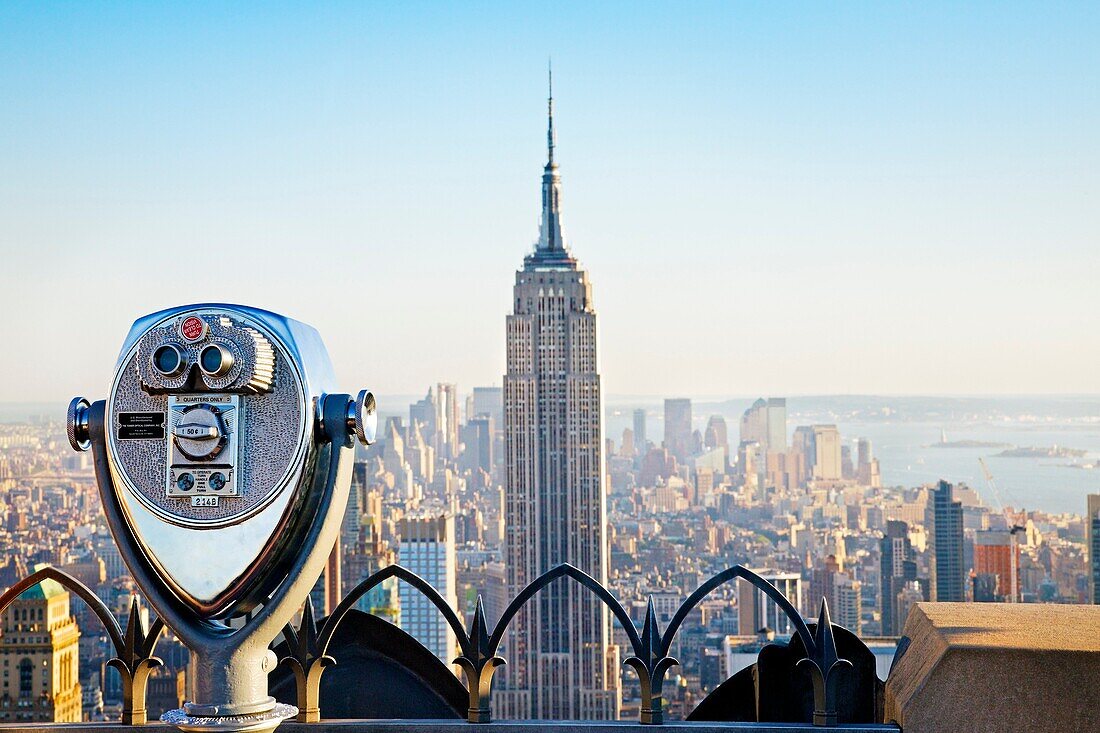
[223, 463]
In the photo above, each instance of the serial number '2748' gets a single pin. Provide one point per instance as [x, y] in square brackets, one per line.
[204, 501]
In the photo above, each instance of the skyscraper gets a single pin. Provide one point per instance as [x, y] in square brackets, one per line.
[561, 663]
[821, 581]
[864, 451]
[765, 422]
[847, 602]
[945, 519]
[827, 465]
[678, 428]
[478, 439]
[802, 444]
[423, 413]
[446, 420]
[997, 554]
[639, 432]
[867, 468]
[39, 652]
[754, 424]
[777, 424]
[716, 435]
[428, 549]
[897, 568]
[1092, 521]
[488, 401]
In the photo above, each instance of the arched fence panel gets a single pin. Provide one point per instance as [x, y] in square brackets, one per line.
[480, 648]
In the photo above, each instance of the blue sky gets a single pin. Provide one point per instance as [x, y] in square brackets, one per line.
[771, 198]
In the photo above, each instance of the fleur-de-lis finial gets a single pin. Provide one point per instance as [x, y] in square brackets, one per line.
[651, 664]
[307, 664]
[824, 665]
[134, 662]
[478, 662]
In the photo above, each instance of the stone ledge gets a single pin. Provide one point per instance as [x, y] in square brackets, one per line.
[458, 726]
[996, 666]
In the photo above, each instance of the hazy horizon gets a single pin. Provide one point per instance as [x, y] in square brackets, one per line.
[814, 199]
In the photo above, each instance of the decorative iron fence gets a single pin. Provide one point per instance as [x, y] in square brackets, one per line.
[310, 646]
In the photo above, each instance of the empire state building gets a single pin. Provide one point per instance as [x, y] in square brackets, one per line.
[561, 664]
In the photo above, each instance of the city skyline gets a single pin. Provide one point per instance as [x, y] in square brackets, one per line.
[779, 160]
[805, 340]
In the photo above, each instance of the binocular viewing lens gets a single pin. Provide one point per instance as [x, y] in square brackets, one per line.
[215, 360]
[167, 360]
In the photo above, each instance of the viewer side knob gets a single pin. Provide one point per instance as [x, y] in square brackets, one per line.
[76, 424]
[363, 417]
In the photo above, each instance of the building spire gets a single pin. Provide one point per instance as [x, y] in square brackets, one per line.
[550, 114]
[551, 249]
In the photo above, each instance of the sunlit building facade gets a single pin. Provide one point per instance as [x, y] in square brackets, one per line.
[39, 658]
[561, 663]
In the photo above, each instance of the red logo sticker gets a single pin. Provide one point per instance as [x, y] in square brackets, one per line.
[192, 328]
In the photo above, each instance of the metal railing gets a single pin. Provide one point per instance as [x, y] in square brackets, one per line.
[309, 645]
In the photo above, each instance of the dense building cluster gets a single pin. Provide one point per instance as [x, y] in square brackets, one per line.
[430, 495]
[824, 527]
[50, 515]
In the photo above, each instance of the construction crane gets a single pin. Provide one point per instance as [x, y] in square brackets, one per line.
[1014, 526]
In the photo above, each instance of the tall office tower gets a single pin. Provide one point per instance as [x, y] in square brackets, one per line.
[561, 663]
[716, 435]
[640, 439]
[754, 424]
[827, 462]
[777, 424]
[821, 581]
[897, 568]
[996, 553]
[756, 611]
[867, 468]
[802, 444]
[678, 428]
[392, 445]
[752, 467]
[39, 653]
[419, 454]
[944, 517]
[626, 448]
[478, 439]
[489, 401]
[423, 412]
[846, 604]
[427, 548]
[1092, 521]
[446, 420]
[353, 518]
[864, 453]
